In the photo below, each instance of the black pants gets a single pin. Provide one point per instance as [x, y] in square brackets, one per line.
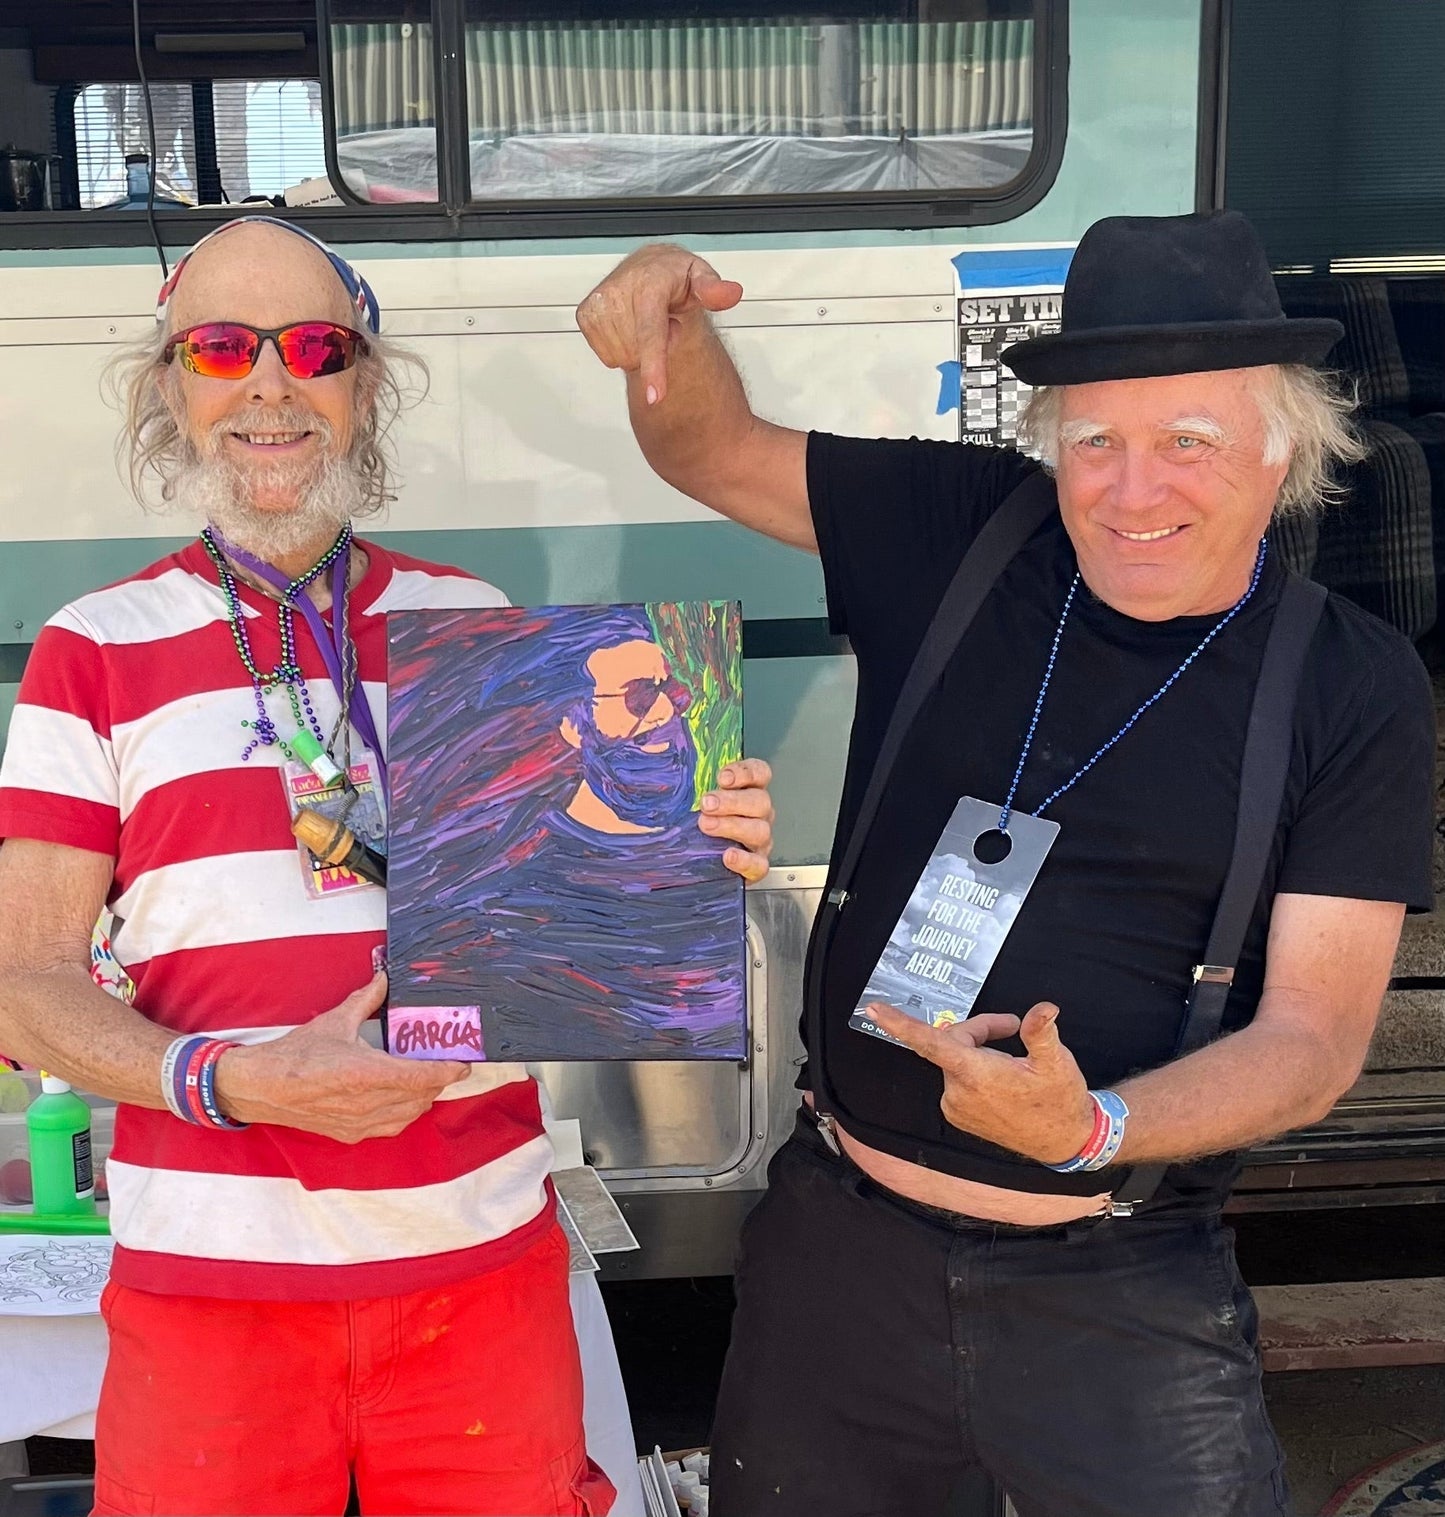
[1103, 1369]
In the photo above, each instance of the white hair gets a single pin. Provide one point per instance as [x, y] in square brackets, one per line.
[1306, 418]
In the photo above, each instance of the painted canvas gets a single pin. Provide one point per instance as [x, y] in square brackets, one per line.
[550, 895]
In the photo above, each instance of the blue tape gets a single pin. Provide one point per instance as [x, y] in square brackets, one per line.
[1012, 268]
[950, 387]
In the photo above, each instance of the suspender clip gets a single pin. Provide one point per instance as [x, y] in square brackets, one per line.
[838, 898]
[1214, 974]
[827, 1130]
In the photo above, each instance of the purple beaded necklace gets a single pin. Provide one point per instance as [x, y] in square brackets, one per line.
[287, 673]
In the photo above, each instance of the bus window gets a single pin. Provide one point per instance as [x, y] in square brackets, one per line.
[263, 135]
[383, 97]
[1336, 132]
[798, 104]
[1335, 149]
[605, 106]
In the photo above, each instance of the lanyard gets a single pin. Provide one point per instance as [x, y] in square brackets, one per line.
[332, 641]
[1214, 631]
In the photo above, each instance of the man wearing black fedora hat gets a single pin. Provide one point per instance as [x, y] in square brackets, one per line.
[998, 1245]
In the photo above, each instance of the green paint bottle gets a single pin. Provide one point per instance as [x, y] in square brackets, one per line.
[58, 1124]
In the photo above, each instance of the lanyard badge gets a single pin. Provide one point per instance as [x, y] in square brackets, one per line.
[980, 872]
[359, 803]
[953, 928]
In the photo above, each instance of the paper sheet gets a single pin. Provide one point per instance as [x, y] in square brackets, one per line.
[566, 1136]
[42, 1276]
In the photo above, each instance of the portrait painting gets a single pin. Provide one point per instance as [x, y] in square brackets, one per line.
[550, 895]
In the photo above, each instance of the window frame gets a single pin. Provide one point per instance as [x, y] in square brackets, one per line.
[455, 216]
[1213, 114]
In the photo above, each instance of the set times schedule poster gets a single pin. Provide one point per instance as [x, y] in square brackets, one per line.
[1005, 294]
[991, 394]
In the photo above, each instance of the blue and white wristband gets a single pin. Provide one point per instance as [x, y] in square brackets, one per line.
[173, 1067]
[1115, 1113]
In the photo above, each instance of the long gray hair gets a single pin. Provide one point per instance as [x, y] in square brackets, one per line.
[152, 449]
[1306, 416]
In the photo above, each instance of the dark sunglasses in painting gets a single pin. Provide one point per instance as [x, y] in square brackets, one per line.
[640, 695]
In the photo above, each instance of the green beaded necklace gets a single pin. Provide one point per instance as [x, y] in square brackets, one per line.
[287, 673]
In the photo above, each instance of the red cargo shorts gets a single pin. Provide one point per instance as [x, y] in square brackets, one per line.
[466, 1399]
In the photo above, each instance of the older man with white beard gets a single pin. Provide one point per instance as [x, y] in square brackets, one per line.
[331, 1264]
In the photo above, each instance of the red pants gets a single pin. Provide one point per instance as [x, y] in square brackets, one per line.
[466, 1399]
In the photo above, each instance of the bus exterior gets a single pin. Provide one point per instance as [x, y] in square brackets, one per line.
[896, 184]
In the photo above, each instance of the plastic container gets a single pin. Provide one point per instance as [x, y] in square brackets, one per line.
[62, 1174]
[15, 1144]
[138, 184]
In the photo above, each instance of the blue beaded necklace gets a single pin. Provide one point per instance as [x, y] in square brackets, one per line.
[287, 673]
[1214, 631]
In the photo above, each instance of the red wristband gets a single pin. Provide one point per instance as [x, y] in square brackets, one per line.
[1097, 1139]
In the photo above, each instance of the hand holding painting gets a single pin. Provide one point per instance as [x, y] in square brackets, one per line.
[741, 810]
[323, 1078]
[566, 782]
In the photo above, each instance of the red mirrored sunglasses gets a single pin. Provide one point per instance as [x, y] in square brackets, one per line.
[229, 349]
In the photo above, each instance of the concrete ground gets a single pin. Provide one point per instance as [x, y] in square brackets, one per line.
[1337, 1423]
[1333, 1423]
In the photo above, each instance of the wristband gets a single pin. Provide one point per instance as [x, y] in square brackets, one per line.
[168, 1073]
[1099, 1151]
[188, 1081]
[215, 1117]
[173, 1074]
[1097, 1138]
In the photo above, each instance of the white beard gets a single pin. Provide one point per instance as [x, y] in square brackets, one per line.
[220, 494]
[325, 494]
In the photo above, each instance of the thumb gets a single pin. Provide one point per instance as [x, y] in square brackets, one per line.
[714, 293]
[1040, 1032]
[345, 1021]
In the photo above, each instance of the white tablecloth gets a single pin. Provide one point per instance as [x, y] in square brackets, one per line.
[51, 1367]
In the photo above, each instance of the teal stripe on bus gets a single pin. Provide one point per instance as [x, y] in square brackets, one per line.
[706, 560]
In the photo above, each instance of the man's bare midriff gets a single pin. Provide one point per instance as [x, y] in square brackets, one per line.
[990, 1203]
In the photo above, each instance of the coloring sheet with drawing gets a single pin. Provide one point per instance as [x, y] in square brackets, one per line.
[43, 1276]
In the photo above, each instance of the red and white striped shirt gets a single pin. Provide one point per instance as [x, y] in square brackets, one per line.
[127, 740]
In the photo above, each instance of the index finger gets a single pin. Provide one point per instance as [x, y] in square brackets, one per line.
[650, 323]
[922, 1038]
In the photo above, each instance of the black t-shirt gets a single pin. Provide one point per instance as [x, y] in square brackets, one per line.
[577, 977]
[1121, 910]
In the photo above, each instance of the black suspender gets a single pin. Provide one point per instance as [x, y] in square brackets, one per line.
[1023, 511]
[1268, 743]
[1019, 515]
[1265, 766]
